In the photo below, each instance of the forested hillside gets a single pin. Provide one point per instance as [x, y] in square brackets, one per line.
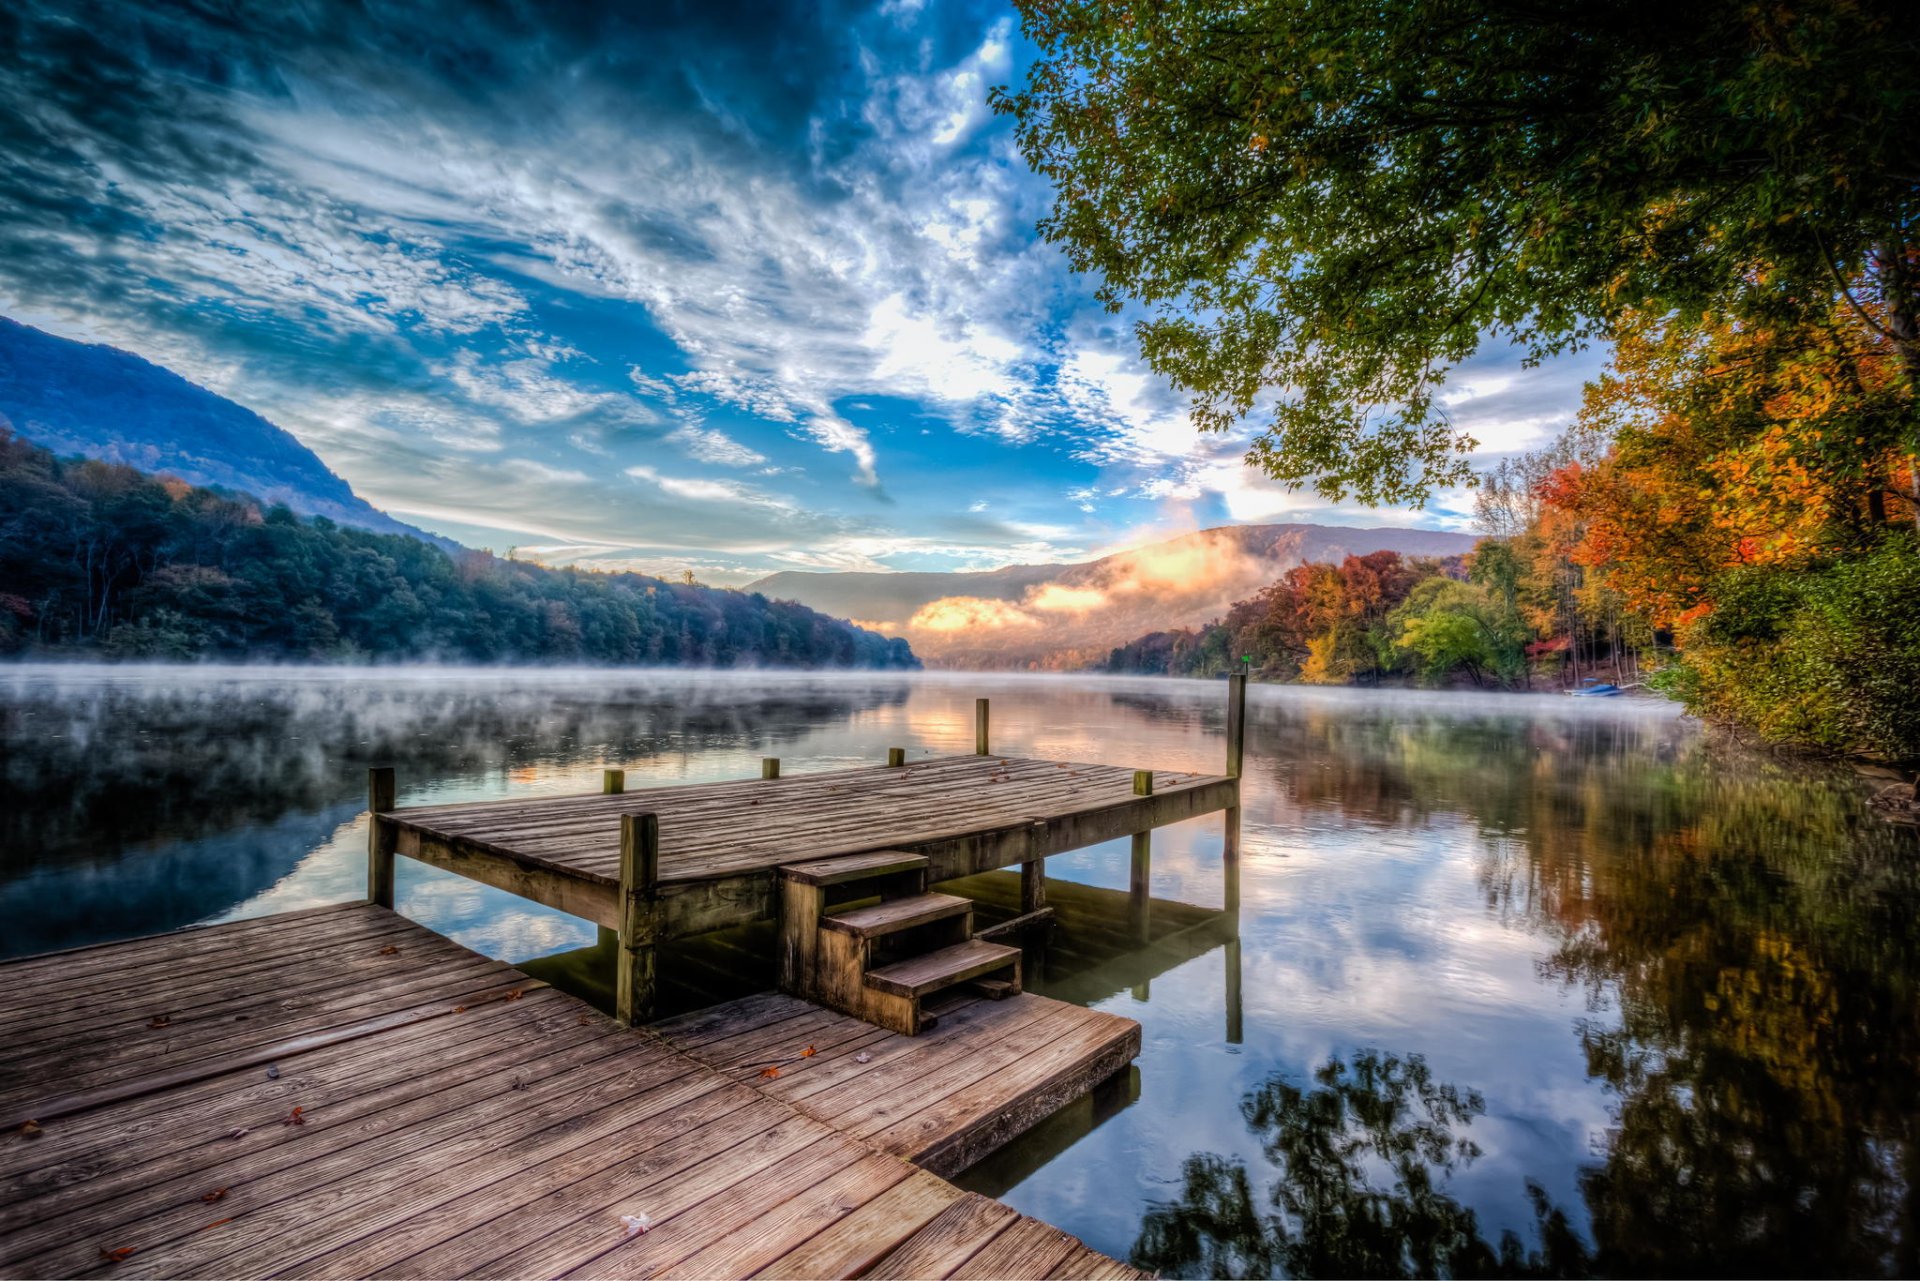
[100, 558]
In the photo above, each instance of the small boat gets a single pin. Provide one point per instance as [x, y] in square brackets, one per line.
[1595, 689]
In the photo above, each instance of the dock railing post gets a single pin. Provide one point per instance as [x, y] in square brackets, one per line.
[1236, 723]
[613, 782]
[896, 757]
[381, 838]
[980, 747]
[1139, 905]
[634, 984]
[769, 767]
[1236, 762]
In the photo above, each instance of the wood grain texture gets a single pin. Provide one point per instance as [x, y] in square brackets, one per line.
[408, 1108]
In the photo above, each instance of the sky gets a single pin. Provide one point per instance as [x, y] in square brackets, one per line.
[661, 286]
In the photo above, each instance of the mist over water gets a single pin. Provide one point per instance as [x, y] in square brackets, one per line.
[1562, 968]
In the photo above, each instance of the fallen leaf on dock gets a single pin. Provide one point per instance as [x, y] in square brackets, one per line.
[214, 1195]
[294, 1117]
[159, 1021]
[635, 1224]
[770, 1072]
[516, 994]
[390, 950]
[808, 1053]
[863, 1057]
[119, 1254]
[237, 1133]
[459, 1009]
[30, 1129]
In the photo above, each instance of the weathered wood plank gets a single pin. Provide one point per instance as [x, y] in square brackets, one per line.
[860, 1239]
[510, 1148]
[191, 1129]
[955, 1235]
[799, 1218]
[586, 1242]
[1027, 1251]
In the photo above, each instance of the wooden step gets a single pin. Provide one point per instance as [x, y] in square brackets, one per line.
[897, 914]
[944, 968]
[853, 867]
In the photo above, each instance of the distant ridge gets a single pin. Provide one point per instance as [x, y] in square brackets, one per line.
[100, 402]
[1064, 616]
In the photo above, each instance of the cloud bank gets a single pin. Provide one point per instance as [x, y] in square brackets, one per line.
[729, 287]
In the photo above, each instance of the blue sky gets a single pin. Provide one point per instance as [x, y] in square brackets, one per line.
[734, 288]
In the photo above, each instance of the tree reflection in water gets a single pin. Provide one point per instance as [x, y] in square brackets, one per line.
[1361, 1160]
[1747, 937]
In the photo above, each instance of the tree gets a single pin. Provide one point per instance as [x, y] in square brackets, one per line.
[1321, 205]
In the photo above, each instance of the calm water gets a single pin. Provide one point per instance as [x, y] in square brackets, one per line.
[1523, 984]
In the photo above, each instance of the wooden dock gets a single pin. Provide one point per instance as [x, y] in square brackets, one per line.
[342, 1093]
[669, 862]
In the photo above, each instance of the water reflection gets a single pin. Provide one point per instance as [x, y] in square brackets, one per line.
[1360, 1162]
[1662, 989]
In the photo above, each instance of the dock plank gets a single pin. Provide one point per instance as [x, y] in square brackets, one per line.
[990, 1071]
[455, 1119]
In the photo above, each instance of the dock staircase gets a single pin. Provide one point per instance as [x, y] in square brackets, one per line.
[861, 934]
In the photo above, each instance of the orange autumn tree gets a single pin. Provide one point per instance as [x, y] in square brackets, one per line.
[1758, 499]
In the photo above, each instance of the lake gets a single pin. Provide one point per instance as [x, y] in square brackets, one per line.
[1523, 984]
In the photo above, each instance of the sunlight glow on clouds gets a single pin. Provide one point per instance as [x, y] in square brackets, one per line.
[623, 288]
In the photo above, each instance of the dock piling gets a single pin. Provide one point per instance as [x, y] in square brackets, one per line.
[1236, 723]
[635, 983]
[980, 747]
[1236, 760]
[769, 767]
[896, 757]
[1033, 886]
[381, 838]
[1140, 905]
[613, 782]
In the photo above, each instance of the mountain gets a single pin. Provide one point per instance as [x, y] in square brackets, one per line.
[1063, 616]
[101, 402]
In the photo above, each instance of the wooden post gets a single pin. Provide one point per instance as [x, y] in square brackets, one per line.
[1236, 723]
[980, 727]
[1230, 866]
[1235, 1032]
[769, 767]
[1033, 886]
[1139, 905]
[1236, 760]
[634, 983]
[613, 782]
[896, 757]
[381, 837]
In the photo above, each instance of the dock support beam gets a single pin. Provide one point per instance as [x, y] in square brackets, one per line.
[634, 984]
[769, 767]
[980, 727]
[613, 782]
[381, 838]
[1139, 904]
